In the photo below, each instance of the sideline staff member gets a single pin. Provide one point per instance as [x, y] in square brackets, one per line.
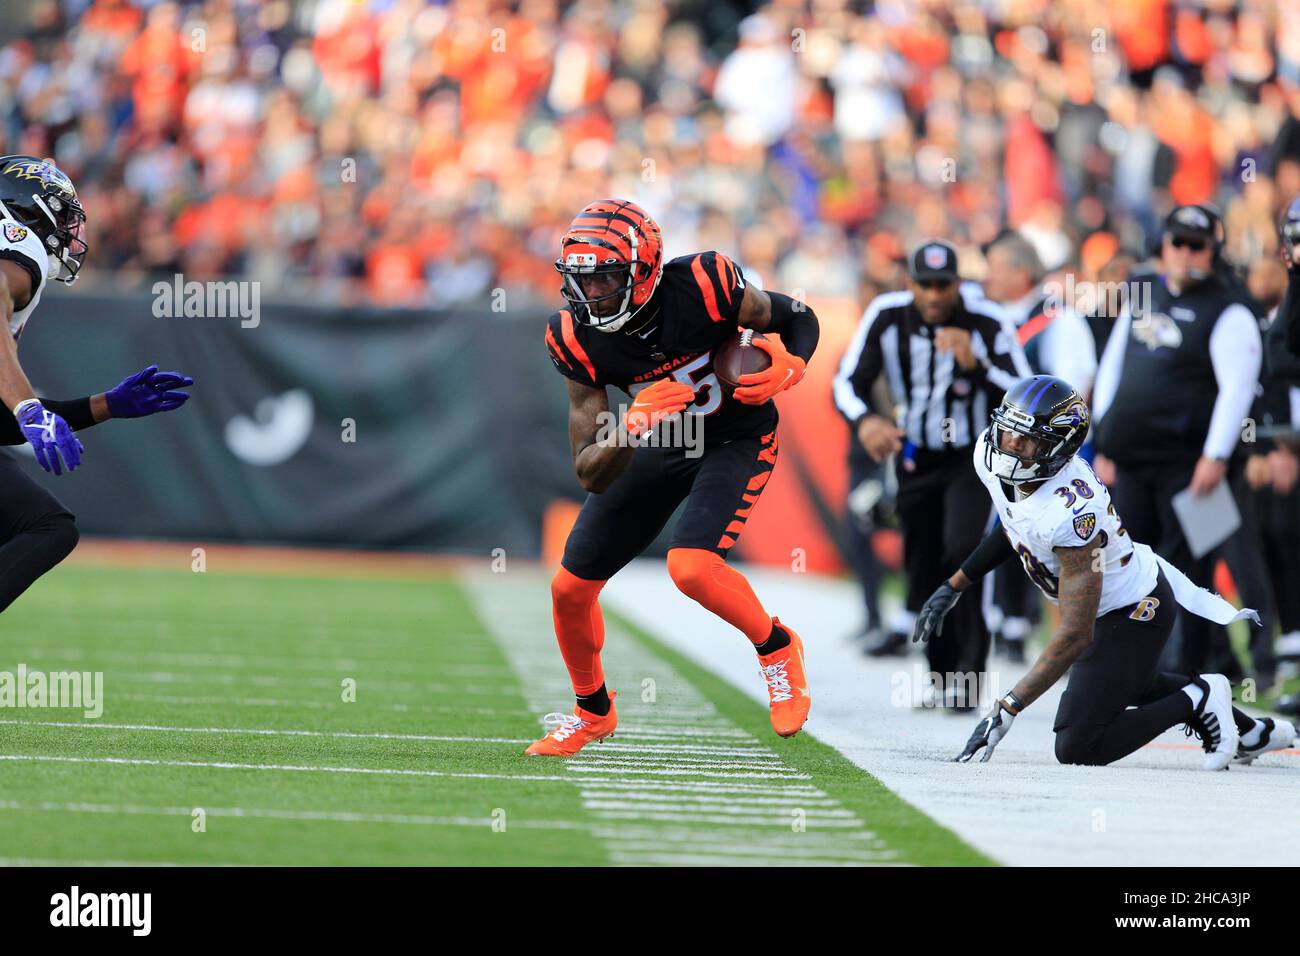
[948, 355]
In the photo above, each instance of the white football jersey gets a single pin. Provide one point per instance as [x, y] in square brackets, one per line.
[16, 240]
[1072, 509]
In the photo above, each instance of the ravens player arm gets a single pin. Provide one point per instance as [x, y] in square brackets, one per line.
[1080, 596]
[15, 293]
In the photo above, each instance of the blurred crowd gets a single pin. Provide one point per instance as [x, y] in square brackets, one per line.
[410, 152]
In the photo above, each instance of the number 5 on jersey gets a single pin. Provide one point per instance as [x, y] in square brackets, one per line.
[686, 375]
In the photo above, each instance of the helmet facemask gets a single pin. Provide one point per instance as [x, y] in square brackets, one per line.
[51, 210]
[583, 261]
[1046, 459]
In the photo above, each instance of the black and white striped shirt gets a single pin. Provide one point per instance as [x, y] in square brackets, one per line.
[942, 406]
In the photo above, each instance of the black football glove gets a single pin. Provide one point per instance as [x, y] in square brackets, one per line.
[938, 604]
[988, 733]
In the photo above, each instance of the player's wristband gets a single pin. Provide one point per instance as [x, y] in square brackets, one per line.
[24, 404]
[1012, 703]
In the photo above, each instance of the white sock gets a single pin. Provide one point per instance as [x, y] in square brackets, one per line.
[1251, 737]
[1195, 693]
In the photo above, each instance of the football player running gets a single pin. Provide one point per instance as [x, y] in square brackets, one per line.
[42, 237]
[650, 329]
[1117, 599]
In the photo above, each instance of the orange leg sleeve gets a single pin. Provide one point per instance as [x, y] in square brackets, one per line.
[705, 577]
[580, 629]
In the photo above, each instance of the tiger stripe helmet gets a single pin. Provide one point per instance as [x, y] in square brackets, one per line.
[611, 260]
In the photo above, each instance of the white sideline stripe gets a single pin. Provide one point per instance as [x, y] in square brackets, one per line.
[287, 768]
[318, 705]
[331, 816]
[777, 822]
[595, 767]
[668, 807]
[693, 749]
[315, 683]
[263, 731]
[648, 730]
[296, 768]
[810, 853]
[740, 790]
[36, 861]
[856, 839]
[688, 859]
[794, 801]
[684, 760]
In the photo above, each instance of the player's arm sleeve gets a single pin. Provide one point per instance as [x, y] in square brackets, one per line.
[859, 367]
[1111, 366]
[994, 550]
[1235, 353]
[796, 323]
[76, 412]
[566, 352]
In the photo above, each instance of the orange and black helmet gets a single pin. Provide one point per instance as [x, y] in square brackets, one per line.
[611, 259]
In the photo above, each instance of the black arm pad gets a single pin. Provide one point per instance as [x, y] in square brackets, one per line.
[994, 550]
[76, 412]
[795, 323]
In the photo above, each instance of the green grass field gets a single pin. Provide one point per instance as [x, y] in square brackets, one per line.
[224, 693]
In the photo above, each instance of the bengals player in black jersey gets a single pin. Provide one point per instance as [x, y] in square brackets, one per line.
[650, 329]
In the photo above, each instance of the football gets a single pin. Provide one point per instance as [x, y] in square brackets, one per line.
[736, 357]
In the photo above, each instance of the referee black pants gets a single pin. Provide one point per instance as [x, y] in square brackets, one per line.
[944, 508]
[36, 531]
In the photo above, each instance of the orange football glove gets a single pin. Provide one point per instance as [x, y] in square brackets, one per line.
[785, 371]
[656, 402]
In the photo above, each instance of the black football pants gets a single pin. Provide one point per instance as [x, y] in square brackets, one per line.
[944, 509]
[36, 531]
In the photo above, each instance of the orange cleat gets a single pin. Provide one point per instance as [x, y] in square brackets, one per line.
[569, 733]
[787, 684]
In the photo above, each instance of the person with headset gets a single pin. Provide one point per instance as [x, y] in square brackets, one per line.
[1176, 381]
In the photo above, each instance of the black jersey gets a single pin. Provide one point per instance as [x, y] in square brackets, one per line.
[695, 309]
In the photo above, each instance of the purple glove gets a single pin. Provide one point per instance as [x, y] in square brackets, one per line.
[147, 392]
[49, 435]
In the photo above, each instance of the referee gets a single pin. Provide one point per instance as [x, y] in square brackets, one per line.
[948, 355]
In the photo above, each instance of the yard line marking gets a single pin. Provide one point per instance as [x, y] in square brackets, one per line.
[777, 822]
[685, 772]
[793, 800]
[683, 766]
[262, 731]
[808, 854]
[286, 768]
[35, 861]
[319, 705]
[268, 680]
[659, 806]
[331, 816]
